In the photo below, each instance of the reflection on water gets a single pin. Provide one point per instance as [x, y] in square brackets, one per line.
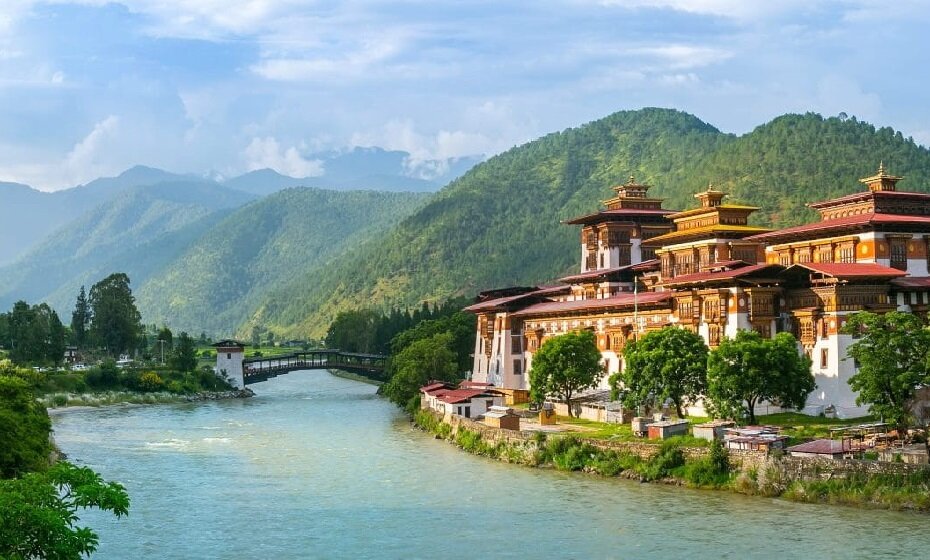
[317, 466]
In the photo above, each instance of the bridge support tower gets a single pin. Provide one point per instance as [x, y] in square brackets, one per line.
[229, 355]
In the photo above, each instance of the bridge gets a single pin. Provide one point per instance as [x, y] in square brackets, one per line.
[262, 369]
[242, 371]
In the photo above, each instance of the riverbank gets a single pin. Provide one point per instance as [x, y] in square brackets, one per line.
[61, 401]
[354, 377]
[893, 486]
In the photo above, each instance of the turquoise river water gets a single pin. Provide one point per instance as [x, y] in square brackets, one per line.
[317, 466]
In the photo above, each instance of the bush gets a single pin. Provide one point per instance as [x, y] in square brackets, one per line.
[666, 460]
[151, 381]
[59, 400]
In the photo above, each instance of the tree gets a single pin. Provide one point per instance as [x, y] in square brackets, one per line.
[421, 361]
[115, 322]
[38, 512]
[892, 354]
[748, 369]
[185, 355]
[24, 437]
[80, 319]
[668, 364]
[565, 365]
[36, 334]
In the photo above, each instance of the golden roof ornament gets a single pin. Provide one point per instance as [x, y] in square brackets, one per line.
[881, 181]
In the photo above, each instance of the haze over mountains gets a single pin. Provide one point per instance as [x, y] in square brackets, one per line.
[224, 257]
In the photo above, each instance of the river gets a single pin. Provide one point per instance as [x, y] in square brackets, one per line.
[316, 466]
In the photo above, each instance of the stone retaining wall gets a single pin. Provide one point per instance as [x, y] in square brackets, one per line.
[792, 468]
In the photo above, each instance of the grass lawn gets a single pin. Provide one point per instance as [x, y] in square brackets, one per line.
[621, 432]
[800, 427]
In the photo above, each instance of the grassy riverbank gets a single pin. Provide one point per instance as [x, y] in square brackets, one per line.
[105, 398]
[714, 470]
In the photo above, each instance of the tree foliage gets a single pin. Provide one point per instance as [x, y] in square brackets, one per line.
[39, 512]
[116, 323]
[668, 364]
[24, 426]
[80, 319]
[748, 369]
[565, 365]
[421, 361]
[892, 352]
[34, 334]
[184, 357]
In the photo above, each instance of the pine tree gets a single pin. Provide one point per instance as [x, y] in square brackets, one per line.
[80, 319]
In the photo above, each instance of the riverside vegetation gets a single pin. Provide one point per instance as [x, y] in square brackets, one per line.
[670, 464]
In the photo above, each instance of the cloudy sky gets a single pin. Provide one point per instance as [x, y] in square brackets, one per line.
[91, 87]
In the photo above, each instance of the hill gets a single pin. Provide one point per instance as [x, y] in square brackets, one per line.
[499, 223]
[138, 231]
[222, 278]
[27, 216]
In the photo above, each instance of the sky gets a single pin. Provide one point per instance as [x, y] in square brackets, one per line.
[89, 88]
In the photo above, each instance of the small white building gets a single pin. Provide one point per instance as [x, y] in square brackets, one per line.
[467, 402]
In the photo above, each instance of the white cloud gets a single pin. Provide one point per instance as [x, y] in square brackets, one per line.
[734, 9]
[86, 160]
[684, 57]
[262, 153]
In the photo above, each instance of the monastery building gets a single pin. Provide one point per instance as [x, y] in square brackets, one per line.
[707, 270]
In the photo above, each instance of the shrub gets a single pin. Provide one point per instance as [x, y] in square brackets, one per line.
[151, 381]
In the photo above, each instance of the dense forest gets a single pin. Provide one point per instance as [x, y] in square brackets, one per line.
[499, 225]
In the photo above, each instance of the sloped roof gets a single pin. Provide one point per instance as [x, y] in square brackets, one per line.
[704, 277]
[823, 447]
[913, 282]
[627, 299]
[501, 303]
[684, 234]
[851, 270]
[619, 213]
[867, 219]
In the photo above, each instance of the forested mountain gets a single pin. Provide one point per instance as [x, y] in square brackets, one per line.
[139, 231]
[222, 279]
[27, 216]
[499, 224]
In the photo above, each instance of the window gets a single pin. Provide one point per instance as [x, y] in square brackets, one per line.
[467, 412]
[824, 358]
[228, 356]
[847, 253]
[899, 254]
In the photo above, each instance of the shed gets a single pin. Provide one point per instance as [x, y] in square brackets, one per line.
[712, 430]
[667, 429]
[762, 442]
[502, 417]
[832, 448]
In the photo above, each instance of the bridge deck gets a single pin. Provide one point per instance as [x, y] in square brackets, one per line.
[258, 369]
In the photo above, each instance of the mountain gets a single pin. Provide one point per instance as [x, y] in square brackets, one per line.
[27, 215]
[361, 169]
[138, 231]
[498, 224]
[222, 279]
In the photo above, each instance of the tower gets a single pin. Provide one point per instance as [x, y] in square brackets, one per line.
[229, 355]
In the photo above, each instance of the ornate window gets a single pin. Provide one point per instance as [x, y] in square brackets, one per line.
[899, 254]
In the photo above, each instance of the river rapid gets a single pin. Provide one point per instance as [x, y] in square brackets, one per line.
[316, 466]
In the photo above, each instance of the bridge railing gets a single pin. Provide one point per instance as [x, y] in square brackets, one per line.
[313, 359]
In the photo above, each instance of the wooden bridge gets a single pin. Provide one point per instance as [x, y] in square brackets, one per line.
[257, 369]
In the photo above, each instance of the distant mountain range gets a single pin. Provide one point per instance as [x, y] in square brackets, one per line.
[28, 215]
[257, 250]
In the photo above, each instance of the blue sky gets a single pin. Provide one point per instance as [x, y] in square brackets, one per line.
[91, 87]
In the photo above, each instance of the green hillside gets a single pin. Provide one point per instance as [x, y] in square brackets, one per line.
[138, 232]
[222, 279]
[499, 224]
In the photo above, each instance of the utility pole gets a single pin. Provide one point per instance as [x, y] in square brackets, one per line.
[161, 343]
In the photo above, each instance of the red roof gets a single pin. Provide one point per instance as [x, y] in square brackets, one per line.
[851, 270]
[702, 277]
[433, 387]
[492, 304]
[823, 447]
[912, 282]
[869, 219]
[604, 215]
[593, 274]
[626, 299]
[865, 195]
[461, 395]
